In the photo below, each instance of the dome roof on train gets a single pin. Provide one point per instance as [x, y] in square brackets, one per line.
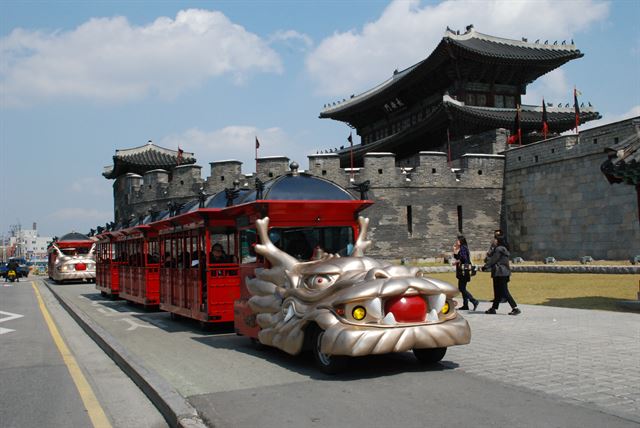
[74, 236]
[299, 186]
[219, 200]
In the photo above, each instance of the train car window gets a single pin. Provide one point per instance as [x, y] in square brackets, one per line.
[304, 242]
[248, 240]
[227, 242]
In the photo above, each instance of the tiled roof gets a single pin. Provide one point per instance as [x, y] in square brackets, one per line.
[623, 165]
[468, 120]
[473, 119]
[497, 47]
[139, 160]
[542, 58]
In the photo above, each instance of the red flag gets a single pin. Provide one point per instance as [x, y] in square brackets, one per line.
[350, 140]
[516, 134]
[576, 107]
[179, 159]
[545, 120]
[257, 143]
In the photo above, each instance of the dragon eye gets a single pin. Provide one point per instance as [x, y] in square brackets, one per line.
[319, 281]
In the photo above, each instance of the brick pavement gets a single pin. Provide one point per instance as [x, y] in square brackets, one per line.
[587, 357]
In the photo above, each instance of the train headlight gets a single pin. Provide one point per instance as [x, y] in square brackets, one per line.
[445, 308]
[359, 313]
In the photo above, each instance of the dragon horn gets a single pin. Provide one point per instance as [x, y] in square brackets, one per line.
[361, 243]
[57, 250]
[275, 255]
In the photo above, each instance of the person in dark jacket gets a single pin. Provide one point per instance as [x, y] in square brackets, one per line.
[498, 262]
[463, 272]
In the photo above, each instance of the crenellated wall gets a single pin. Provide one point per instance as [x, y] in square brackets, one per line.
[417, 208]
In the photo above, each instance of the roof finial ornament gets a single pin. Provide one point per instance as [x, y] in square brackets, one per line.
[524, 39]
[294, 167]
[546, 42]
[469, 28]
[537, 41]
[572, 42]
[149, 142]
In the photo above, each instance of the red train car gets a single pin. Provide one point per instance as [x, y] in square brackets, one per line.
[129, 263]
[199, 276]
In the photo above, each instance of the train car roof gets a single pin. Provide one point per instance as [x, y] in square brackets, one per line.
[295, 186]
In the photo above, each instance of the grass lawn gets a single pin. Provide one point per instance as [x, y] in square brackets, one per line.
[583, 291]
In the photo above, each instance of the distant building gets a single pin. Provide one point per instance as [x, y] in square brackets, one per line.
[27, 243]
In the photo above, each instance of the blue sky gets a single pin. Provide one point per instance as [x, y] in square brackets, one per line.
[79, 80]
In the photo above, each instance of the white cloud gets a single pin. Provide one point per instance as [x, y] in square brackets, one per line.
[109, 59]
[292, 39]
[237, 143]
[407, 32]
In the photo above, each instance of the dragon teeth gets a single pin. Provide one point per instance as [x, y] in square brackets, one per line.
[432, 315]
[389, 319]
[374, 308]
[437, 301]
[289, 314]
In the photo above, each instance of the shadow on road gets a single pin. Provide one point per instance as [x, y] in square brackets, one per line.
[372, 366]
[591, 302]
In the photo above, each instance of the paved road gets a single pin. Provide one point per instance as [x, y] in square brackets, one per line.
[548, 367]
[36, 387]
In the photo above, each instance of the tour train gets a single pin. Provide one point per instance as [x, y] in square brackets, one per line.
[291, 273]
[71, 258]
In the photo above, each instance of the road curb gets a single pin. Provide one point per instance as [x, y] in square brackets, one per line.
[177, 411]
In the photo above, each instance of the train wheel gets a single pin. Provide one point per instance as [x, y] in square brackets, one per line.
[429, 355]
[329, 364]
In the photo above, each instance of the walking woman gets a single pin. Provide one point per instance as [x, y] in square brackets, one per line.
[463, 272]
[498, 262]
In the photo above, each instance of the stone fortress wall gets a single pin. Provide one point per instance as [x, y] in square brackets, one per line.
[558, 203]
[549, 196]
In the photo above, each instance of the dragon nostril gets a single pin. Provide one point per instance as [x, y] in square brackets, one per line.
[377, 273]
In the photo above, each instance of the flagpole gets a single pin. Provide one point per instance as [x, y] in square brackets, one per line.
[519, 127]
[256, 159]
[575, 107]
[448, 148]
[351, 154]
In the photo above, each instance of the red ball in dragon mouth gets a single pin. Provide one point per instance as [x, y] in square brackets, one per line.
[407, 308]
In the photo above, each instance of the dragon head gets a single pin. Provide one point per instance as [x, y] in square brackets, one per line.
[364, 305]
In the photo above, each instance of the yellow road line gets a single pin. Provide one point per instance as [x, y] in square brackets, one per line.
[96, 414]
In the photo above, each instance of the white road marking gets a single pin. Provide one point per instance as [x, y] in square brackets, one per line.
[133, 325]
[9, 316]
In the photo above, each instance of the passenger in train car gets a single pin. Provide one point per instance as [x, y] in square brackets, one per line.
[196, 257]
[218, 255]
[297, 246]
[167, 259]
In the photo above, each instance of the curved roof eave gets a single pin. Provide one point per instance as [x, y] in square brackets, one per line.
[472, 41]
